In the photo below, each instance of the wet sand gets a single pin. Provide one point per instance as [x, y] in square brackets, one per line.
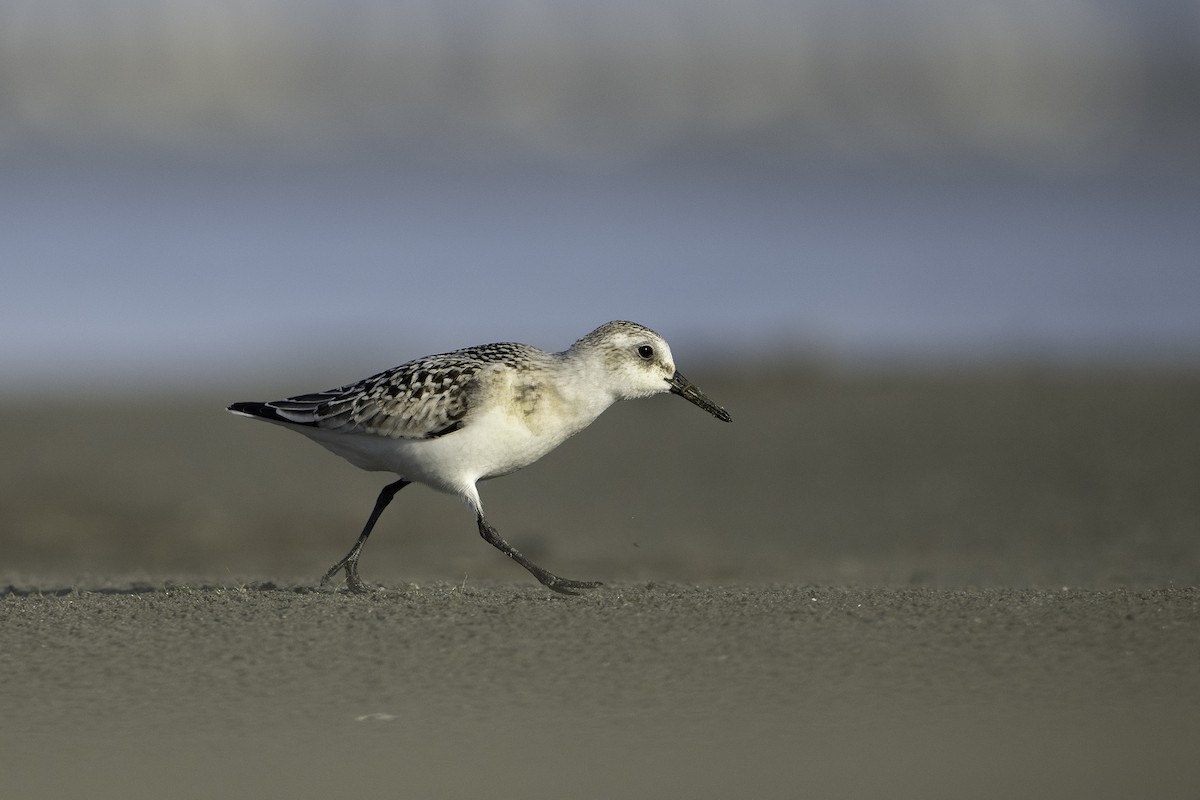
[942, 585]
[656, 690]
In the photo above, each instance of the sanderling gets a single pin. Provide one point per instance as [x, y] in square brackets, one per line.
[451, 420]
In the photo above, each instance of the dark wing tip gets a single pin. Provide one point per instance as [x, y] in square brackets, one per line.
[251, 409]
[263, 411]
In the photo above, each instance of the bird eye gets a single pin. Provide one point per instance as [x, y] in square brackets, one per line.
[646, 352]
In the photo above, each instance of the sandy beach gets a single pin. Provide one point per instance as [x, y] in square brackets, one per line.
[945, 584]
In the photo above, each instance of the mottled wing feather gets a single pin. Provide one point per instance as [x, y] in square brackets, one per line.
[422, 399]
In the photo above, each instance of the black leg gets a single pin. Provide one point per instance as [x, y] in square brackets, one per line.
[548, 579]
[350, 561]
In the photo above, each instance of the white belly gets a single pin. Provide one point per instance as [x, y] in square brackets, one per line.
[492, 444]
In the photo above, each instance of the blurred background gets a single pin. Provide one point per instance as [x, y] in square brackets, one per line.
[237, 200]
[198, 187]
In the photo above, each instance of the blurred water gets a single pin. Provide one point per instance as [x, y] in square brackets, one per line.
[163, 277]
[1049, 83]
[190, 190]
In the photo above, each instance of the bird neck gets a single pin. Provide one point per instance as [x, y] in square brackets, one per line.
[591, 385]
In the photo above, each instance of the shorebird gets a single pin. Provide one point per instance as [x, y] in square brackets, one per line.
[451, 420]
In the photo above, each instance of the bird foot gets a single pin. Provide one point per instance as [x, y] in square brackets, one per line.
[354, 583]
[566, 585]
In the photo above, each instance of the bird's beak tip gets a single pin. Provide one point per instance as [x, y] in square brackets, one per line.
[690, 392]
